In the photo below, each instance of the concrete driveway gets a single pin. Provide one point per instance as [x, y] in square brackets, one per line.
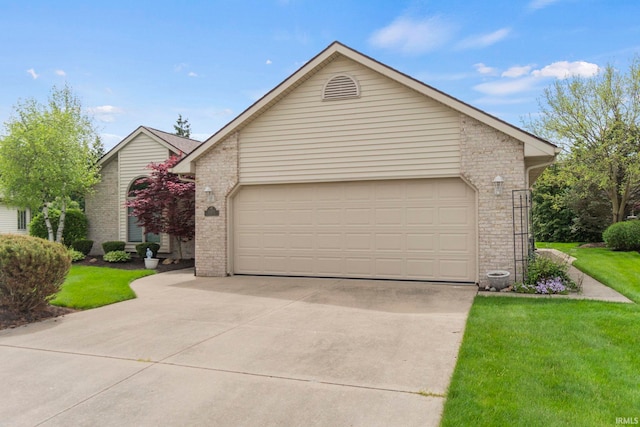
[241, 351]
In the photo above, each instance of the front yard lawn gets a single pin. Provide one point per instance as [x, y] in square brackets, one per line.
[618, 270]
[543, 362]
[91, 287]
[552, 362]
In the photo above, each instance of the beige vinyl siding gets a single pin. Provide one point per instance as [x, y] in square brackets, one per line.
[390, 131]
[132, 161]
[8, 219]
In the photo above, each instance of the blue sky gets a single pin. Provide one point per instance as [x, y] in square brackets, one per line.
[144, 62]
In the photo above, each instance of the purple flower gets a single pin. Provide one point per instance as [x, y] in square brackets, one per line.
[550, 286]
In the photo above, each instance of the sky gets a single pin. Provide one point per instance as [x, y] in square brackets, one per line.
[135, 63]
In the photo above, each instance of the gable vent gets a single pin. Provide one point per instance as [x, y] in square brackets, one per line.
[341, 87]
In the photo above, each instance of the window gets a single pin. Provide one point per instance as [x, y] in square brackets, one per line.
[341, 86]
[22, 220]
[135, 233]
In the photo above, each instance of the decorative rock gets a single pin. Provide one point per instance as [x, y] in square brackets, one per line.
[92, 260]
[167, 261]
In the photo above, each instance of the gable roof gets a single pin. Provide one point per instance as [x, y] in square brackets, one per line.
[534, 146]
[172, 142]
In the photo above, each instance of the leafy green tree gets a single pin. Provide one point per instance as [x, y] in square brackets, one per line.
[47, 155]
[182, 127]
[597, 120]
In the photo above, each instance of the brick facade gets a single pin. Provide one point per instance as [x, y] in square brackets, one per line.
[485, 153]
[217, 169]
[102, 208]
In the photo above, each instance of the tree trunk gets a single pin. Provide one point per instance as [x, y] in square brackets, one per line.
[63, 214]
[179, 240]
[47, 221]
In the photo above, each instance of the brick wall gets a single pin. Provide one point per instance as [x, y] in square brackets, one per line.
[217, 169]
[485, 153]
[102, 208]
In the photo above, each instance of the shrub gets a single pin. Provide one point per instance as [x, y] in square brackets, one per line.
[76, 255]
[546, 276]
[31, 271]
[141, 249]
[75, 225]
[117, 256]
[113, 246]
[623, 236]
[82, 245]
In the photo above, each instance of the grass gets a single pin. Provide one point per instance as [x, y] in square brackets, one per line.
[618, 270]
[91, 287]
[542, 362]
[551, 362]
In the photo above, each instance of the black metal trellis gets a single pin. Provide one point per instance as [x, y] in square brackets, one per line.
[523, 240]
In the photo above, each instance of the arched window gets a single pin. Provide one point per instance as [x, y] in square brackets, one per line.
[135, 233]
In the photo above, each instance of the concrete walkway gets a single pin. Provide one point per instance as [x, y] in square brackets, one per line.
[241, 351]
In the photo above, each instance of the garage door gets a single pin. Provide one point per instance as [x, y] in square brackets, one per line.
[395, 229]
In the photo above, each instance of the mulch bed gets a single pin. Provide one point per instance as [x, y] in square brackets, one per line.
[12, 320]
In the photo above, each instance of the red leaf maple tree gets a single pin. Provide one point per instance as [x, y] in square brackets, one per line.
[165, 203]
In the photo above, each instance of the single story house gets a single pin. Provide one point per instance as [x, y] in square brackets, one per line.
[350, 168]
[14, 220]
[121, 167]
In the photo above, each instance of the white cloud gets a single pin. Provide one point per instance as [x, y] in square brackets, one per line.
[517, 71]
[32, 73]
[110, 140]
[565, 69]
[268, 62]
[105, 113]
[506, 87]
[61, 73]
[484, 69]
[539, 4]
[484, 40]
[192, 74]
[413, 36]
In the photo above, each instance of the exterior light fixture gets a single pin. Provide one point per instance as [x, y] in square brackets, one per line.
[498, 182]
[209, 193]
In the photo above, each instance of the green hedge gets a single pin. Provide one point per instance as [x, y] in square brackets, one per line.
[141, 249]
[75, 225]
[113, 246]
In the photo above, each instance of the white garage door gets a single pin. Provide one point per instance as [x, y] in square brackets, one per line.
[395, 229]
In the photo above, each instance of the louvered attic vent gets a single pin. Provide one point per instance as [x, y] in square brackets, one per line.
[341, 87]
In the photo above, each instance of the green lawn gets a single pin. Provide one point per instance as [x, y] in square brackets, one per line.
[91, 287]
[552, 362]
[542, 362]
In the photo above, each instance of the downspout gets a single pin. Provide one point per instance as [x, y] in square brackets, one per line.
[530, 168]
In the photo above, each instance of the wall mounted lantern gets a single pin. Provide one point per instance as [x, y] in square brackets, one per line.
[498, 182]
[209, 193]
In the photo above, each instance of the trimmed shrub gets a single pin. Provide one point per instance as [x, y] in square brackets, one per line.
[141, 249]
[117, 256]
[75, 225]
[76, 255]
[31, 271]
[113, 246]
[623, 236]
[82, 245]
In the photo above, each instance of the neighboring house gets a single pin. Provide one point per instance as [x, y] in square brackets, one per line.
[14, 220]
[350, 168]
[108, 217]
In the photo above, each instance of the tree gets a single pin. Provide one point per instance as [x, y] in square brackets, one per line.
[165, 203]
[182, 127]
[48, 155]
[598, 120]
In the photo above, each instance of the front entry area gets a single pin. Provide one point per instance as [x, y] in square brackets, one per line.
[414, 229]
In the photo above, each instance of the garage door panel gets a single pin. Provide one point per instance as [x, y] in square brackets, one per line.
[397, 229]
